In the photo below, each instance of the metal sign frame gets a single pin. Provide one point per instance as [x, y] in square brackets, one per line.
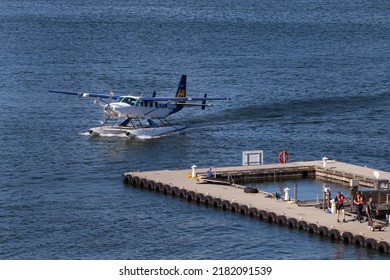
[252, 157]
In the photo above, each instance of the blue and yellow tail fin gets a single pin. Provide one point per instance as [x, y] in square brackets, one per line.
[181, 89]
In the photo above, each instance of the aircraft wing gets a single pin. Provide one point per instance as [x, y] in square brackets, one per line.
[86, 94]
[183, 99]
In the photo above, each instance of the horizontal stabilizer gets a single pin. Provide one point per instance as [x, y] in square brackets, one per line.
[196, 104]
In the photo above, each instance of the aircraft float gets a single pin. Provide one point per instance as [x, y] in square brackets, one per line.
[138, 114]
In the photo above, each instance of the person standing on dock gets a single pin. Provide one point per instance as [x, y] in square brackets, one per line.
[339, 200]
[359, 201]
[370, 210]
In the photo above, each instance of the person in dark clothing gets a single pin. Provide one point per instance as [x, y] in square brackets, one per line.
[371, 211]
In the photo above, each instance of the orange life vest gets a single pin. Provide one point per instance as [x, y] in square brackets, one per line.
[340, 199]
[359, 199]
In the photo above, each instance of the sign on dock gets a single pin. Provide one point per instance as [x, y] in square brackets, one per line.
[252, 157]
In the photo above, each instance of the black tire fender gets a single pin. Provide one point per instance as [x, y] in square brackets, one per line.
[244, 209]
[281, 220]
[225, 205]
[217, 202]
[302, 225]
[199, 198]
[383, 247]
[347, 237]
[334, 234]
[358, 240]
[183, 193]
[262, 214]
[292, 222]
[312, 228]
[271, 217]
[208, 200]
[143, 183]
[174, 191]
[253, 212]
[370, 243]
[191, 196]
[165, 188]
[127, 179]
[151, 185]
[323, 231]
[234, 207]
[135, 181]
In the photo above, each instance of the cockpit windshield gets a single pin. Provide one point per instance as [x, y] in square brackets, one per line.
[128, 100]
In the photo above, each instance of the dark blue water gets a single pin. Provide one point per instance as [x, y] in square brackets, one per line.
[307, 189]
[311, 77]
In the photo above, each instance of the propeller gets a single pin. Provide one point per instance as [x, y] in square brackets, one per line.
[109, 112]
[101, 102]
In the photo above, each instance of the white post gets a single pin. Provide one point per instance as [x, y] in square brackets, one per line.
[286, 194]
[333, 207]
[324, 161]
[193, 171]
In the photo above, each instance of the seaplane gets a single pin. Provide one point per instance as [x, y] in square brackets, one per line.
[137, 116]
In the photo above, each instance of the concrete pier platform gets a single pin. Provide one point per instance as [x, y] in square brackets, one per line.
[258, 205]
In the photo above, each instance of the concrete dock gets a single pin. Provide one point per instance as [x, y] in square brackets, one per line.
[258, 205]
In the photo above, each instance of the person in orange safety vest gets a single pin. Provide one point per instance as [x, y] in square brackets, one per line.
[339, 200]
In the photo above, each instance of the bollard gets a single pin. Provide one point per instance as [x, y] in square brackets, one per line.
[193, 171]
[333, 207]
[324, 161]
[326, 196]
[286, 194]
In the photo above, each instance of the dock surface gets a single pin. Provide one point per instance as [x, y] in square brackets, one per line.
[234, 198]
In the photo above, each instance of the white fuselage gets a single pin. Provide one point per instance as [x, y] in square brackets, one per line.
[129, 107]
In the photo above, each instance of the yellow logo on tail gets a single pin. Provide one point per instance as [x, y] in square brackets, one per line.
[181, 93]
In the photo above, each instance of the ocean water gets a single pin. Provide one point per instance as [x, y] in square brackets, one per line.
[310, 77]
